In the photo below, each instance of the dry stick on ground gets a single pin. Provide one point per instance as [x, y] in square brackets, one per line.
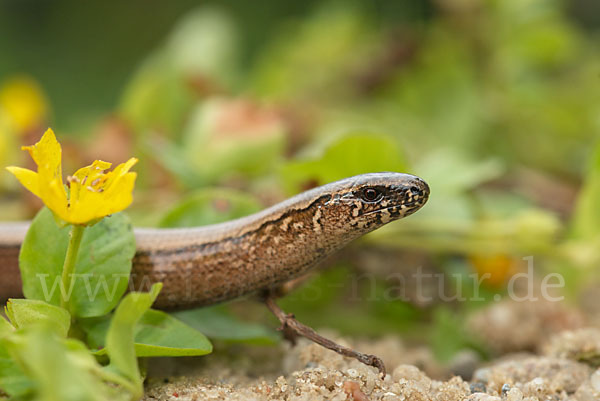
[289, 324]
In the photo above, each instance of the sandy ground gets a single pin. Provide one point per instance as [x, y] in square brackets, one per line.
[543, 361]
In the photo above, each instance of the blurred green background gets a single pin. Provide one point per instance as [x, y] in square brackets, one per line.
[75, 49]
[234, 105]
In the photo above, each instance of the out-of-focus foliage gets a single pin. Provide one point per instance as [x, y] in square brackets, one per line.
[586, 218]
[158, 96]
[218, 323]
[353, 154]
[494, 103]
[318, 53]
[224, 137]
[209, 206]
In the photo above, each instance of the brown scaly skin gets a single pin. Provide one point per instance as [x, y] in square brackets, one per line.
[206, 265]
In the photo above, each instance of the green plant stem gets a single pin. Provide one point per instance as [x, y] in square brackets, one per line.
[135, 389]
[75, 236]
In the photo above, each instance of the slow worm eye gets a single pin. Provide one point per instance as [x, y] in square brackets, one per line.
[371, 194]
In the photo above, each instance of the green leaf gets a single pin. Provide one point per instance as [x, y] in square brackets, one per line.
[13, 380]
[353, 154]
[450, 172]
[156, 334]
[159, 334]
[5, 327]
[451, 175]
[210, 206]
[585, 223]
[156, 96]
[102, 268]
[172, 158]
[449, 336]
[52, 370]
[121, 333]
[218, 323]
[95, 329]
[25, 312]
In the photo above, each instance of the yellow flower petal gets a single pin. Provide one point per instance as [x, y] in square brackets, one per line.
[92, 171]
[88, 180]
[54, 196]
[28, 178]
[120, 196]
[47, 153]
[120, 171]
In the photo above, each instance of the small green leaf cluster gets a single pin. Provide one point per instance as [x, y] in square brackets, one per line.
[78, 350]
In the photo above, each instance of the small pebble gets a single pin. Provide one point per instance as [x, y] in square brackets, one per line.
[595, 380]
[538, 382]
[483, 397]
[477, 387]
[353, 389]
[464, 363]
[410, 373]
[514, 394]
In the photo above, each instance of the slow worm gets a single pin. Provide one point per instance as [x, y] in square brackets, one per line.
[207, 265]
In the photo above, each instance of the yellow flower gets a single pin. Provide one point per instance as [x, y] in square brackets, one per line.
[499, 268]
[93, 192]
[24, 102]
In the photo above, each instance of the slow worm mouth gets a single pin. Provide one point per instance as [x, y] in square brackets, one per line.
[408, 206]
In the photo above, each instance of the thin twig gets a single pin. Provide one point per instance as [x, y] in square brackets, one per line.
[290, 324]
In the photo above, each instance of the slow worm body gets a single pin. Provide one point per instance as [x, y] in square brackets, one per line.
[207, 265]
